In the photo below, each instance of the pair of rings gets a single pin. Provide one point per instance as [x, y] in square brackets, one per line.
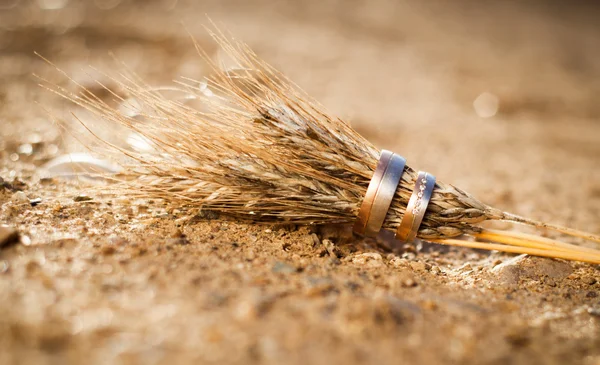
[380, 193]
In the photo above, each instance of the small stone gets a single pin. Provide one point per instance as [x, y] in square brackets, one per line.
[315, 240]
[524, 267]
[589, 280]
[418, 266]
[82, 198]
[8, 236]
[179, 237]
[370, 259]
[465, 268]
[283, 268]
[398, 262]
[25, 240]
[18, 185]
[594, 311]
[408, 256]
[20, 198]
[330, 247]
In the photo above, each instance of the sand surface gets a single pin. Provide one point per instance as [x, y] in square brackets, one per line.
[130, 281]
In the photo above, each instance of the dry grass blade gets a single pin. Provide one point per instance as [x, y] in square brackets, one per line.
[570, 255]
[262, 150]
[519, 239]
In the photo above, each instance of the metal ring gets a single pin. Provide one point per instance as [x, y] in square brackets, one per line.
[416, 208]
[365, 208]
[385, 194]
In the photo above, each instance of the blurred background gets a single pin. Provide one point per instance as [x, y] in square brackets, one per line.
[499, 98]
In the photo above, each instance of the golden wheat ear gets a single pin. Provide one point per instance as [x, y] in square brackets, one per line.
[256, 148]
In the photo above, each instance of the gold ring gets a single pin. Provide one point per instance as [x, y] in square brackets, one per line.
[365, 208]
[416, 208]
[385, 194]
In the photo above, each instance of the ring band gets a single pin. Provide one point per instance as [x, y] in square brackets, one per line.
[365, 208]
[416, 208]
[385, 194]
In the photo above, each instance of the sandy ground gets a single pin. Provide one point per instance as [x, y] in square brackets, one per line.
[124, 281]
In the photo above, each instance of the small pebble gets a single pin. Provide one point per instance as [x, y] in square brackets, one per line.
[418, 266]
[398, 262]
[330, 247]
[465, 268]
[370, 259]
[179, 237]
[409, 256]
[25, 240]
[524, 267]
[315, 240]
[20, 197]
[594, 312]
[82, 198]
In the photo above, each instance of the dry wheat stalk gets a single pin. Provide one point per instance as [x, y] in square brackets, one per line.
[264, 151]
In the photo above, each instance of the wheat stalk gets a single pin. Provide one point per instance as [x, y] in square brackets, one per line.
[264, 151]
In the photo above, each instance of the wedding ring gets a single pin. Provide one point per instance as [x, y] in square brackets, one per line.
[365, 208]
[380, 193]
[385, 194]
[416, 208]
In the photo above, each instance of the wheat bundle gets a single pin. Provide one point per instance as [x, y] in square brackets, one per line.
[260, 149]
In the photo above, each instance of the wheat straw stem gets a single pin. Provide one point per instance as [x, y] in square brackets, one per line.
[568, 231]
[516, 238]
[519, 250]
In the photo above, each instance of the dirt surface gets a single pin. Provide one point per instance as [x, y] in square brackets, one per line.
[93, 280]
